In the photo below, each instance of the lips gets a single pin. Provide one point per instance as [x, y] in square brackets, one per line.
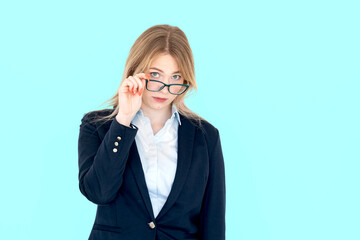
[159, 99]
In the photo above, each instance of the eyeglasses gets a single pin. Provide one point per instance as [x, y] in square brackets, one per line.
[155, 86]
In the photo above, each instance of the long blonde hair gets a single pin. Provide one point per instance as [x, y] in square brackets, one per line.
[154, 41]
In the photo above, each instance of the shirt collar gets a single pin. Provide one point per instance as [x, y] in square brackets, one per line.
[175, 113]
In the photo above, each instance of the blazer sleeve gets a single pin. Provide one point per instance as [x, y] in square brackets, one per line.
[212, 216]
[102, 163]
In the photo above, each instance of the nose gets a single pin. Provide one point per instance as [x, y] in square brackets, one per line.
[164, 90]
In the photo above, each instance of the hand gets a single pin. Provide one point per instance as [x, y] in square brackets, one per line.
[129, 97]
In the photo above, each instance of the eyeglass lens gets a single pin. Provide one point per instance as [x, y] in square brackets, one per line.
[156, 86]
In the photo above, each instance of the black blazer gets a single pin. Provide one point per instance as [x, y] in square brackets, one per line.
[111, 176]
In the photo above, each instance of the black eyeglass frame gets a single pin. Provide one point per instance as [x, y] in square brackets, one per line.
[166, 85]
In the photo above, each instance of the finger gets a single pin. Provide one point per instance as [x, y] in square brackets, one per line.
[139, 82]
[143, 78]
[135, 85]
[141, 75]
[128, 85]
[143, 81]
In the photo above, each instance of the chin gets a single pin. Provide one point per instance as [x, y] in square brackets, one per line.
[160, 105]
[156, 105]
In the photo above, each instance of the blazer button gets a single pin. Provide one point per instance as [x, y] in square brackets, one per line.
[115, 150]
[116, 143]
[151, 225]
[118, 138]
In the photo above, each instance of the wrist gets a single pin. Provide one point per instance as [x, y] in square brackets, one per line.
[124, 119]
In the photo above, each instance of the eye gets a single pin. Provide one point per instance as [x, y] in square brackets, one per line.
[176, 77]
[154, 74]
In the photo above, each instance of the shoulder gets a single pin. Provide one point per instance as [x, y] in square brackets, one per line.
[203, 127]
[94, 116]
[96, 122]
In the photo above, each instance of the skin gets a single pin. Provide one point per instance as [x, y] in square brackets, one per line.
[133, 94]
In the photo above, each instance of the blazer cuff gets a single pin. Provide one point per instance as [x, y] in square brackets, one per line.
[120, 132]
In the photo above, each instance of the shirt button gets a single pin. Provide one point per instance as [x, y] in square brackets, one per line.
[116, 143]
[115, 150]
[118, 138]
[151, 225]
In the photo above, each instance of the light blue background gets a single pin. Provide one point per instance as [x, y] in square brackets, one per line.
[279, 79]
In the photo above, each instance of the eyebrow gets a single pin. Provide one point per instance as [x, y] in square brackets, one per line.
[162, 70]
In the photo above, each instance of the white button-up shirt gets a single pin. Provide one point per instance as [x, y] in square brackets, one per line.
[158, 155]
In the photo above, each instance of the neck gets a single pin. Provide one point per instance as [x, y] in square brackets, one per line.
[157, 117]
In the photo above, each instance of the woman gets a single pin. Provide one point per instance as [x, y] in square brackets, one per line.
[154, 168]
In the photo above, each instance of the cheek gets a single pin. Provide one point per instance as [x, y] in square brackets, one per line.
[145, 94]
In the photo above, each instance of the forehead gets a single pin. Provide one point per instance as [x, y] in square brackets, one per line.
[165, 63]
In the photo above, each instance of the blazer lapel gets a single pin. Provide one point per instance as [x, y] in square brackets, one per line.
[186, 134]
[136, 167]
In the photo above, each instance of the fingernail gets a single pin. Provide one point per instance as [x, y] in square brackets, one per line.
[140, 92]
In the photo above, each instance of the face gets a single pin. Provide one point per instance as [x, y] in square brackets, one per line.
[164, 68]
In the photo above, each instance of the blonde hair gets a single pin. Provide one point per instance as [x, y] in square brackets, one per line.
[156, 40]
